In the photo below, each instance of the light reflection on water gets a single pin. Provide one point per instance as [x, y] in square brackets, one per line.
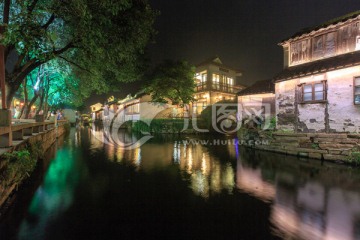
[307, 200]
[207, 173]
[54, 196]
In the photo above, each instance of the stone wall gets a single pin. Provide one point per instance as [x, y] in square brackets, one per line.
[333, 147]
[47, 138]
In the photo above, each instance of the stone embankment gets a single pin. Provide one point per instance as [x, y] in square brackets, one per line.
[333, 147]
[11, 178]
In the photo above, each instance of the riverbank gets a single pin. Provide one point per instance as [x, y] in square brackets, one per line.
[336, 147]
[18, 162]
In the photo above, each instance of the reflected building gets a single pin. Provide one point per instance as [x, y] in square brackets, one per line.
[307, 202]
[206, 174]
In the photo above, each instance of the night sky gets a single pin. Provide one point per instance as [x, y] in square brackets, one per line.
[243, 33]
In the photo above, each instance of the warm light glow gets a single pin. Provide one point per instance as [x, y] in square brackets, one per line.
[21, 104]
[250, 181]
[256, 98]
[343, 72]
[203, 164]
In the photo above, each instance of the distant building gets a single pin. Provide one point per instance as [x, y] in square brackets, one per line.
[256, 98]
[214, 82]
[96, 111]
[141, 107]
[319, 88]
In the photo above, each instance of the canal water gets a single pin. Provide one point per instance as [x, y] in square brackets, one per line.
[185, 188]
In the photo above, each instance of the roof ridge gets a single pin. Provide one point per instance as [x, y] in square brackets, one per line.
[324, 24]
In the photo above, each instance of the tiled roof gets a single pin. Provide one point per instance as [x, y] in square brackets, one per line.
[319, 66]
[211, 60]
[264, 86]
[325, 24]
[217, 62]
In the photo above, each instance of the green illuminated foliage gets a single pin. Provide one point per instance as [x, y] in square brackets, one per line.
[101, 41]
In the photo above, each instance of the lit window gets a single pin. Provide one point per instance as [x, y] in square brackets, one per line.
[216, 78]
[314, 92]
[357, 90]
[194, 108]
[203, 77]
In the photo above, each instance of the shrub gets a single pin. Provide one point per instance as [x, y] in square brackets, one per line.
[354, 158]
[19, 164]
[160, 126]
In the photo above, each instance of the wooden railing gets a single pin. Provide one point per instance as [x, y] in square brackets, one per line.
[218, 87]
[20, 129]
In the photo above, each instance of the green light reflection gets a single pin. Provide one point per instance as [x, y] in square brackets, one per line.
[54, 196]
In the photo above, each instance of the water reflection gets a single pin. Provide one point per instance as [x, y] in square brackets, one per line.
[225, 190]
[310, 200]
[54, 196]
[207, 174]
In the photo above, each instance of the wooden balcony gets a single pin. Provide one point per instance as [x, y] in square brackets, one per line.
[219, 88]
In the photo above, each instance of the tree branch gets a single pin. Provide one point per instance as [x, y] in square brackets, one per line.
[6, 12]
[64, 49]
[26, 70]
[47, 24]
[33, 63]
[75, 64]
[8, 50]
[32, 6]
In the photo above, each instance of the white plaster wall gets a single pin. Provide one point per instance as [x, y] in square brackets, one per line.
[284, 103]
[313, 116]
[343, 114]
[255, 103]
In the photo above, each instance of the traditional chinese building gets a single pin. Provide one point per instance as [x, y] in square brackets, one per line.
[319, 88]
[214, 82]
[96, 111]
[258, 98]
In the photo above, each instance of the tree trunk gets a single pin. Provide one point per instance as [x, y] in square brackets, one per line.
[10, 95]
[28, 108]
[41, 103]
[26, 98]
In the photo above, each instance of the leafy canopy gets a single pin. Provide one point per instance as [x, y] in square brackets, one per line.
[102, 41]
[174, 81]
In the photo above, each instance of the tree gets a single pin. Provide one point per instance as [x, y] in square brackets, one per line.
[102, 40]
[172, 81]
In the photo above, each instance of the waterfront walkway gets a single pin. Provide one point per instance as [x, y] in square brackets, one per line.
[22, 129]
